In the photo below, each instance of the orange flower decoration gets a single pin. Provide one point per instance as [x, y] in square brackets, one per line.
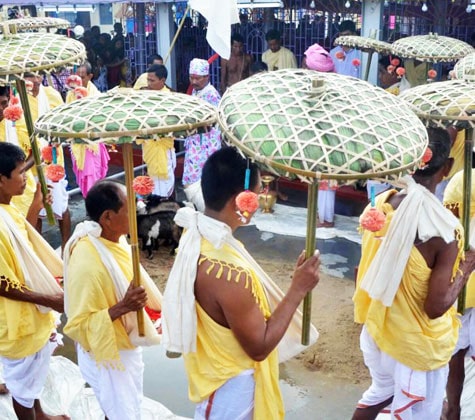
[74, 81]
[400, 71]
[426, 157]
[373, 220]
[80, 92]
[340, 55]
[13, 112]
[395, 62]
[47, 154]
[54, 172]
[356, 62]
[247, 202]
[432, 74]
[143, 185]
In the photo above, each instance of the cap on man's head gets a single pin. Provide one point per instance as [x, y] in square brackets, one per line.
[199, 67]
[317, 58]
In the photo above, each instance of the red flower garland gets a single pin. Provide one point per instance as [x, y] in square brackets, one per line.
[13, 112]
[73, 81]
[143, 185]
[47, 154]
[54, 172]
[80, 92]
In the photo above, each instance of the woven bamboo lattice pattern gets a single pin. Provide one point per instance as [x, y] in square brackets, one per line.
[35, 52]
[447, 102]
[346, 129]
[431, 48]
[123, 114]
[363, 43]
[33, 24]
[464, 66]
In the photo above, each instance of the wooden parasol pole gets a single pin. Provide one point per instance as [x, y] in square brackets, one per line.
[467, 189]
[182, 22]
[132, 209]
[368, 64]
[21, 88]
[310, 245]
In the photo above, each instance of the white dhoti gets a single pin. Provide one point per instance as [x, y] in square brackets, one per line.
[232, 401]
[326, 205]
[26, 377]
[165, 187]
[60, 198]
[119, 392]
[466, 338]
[417, 394]
[195, 195]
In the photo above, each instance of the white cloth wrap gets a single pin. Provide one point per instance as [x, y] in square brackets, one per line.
[194, 194]
[179, 320]
[36, 274]
[119, 392]
[11, 135]
[26, 377]
[93, 231]
[419, 214]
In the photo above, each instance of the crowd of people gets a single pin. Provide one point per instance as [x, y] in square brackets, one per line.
[220, 309]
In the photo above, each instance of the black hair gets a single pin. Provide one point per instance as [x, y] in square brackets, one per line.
[104, 195]
[273, 34]
[223, 177]
[439, 144]
[258, 67]
[159, 70]
[153, 57]
[236, 37]
[4, 91]
[10, 156]
[347, 25]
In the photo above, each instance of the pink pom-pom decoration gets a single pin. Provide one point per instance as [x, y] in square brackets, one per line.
[80, 92]
[143, 185]
[432, 74]
[247, 202]
[73, 81]
[395, 62]
[356, 62]
[373, 220]
[390, 68]
[47, 154]
[13, 112]
[54, 172]
[400, 71]
[340, 55]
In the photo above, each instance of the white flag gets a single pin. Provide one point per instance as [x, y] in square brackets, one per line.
[220, 14]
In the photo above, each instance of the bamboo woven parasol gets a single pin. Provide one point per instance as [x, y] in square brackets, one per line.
[450, 102]
[365, 44]
[121, 116]
[464, 66]
[33, 24]
[34, 53]
[431, 48]
[310, 125]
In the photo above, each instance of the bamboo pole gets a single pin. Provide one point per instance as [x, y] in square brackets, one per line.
[467, 189]
[132, 209]
[368, 64]
[21, 88]
[310, 244]
[182, 22]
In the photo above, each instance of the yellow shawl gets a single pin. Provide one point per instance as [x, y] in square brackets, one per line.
[219, 356]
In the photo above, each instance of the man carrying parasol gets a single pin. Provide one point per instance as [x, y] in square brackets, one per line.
[216, 307]
[28, 267]
[101, 303]
[406, 304]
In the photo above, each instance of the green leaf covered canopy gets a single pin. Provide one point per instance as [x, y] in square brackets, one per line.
[306, 124]
[121, 115]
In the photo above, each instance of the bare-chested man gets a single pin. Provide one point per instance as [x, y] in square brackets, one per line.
[238, 66]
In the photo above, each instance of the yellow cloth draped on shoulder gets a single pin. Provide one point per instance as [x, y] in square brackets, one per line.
[24, 328]
[432, 341]
[453, 199]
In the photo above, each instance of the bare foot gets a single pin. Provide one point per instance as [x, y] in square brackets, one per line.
[3, 389]
[326, 224]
